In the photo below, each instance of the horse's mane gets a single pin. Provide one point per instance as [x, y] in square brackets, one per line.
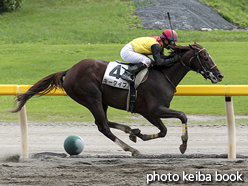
[181, 50]
[178, 49]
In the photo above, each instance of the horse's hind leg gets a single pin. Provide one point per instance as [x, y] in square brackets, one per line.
[164, 112]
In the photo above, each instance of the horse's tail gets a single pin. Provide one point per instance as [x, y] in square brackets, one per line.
[42, 87]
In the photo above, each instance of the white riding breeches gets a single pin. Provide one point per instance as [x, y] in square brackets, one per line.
[129, 55]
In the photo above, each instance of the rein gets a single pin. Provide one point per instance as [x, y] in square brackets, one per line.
[175, 90]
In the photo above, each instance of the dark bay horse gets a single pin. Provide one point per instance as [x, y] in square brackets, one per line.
[83, 83]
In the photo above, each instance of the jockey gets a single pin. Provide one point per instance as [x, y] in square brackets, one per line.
[137, 51]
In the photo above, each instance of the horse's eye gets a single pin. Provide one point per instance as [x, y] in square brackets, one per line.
[206, 58]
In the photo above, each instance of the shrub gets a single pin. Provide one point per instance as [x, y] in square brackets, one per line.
[9, 5]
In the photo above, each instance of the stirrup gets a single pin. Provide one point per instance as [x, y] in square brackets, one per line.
[127, 76]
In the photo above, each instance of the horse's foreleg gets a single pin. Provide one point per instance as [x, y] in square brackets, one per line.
[184, 138]
[118, 126]
[158, 123]
[164, 112]
[106, 131]
[123, 128]
[101, 121]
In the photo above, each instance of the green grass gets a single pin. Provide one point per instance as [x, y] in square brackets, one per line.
[73, 21]
[235, 12]
[84, 21]
[48, 36]
[28, 63]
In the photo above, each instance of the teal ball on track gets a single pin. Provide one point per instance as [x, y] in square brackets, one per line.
[74, 144]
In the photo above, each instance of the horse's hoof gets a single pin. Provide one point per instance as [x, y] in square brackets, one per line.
[135, 153]
[135, 131]
[182, 148]
[133, 138]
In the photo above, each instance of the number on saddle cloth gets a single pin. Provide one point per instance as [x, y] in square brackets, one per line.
[114, 70]
[112, 76]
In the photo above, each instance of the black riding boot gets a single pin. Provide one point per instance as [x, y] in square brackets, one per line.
[128, 75]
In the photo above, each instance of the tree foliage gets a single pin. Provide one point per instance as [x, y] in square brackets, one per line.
[9, 5]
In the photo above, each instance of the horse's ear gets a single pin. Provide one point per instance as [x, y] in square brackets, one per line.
[191, 47]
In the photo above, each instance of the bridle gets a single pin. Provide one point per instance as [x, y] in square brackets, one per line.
[206, 73]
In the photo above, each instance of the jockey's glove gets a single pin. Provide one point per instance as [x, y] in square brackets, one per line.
[167, 62]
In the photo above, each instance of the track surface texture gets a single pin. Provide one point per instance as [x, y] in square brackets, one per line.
[103, 163]
[185, 15]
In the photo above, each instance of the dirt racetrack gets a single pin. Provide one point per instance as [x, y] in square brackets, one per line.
[104, 163]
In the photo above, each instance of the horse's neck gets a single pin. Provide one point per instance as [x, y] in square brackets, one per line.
[176, 73]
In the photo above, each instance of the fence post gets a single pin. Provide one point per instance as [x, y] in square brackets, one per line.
[24, 130]
[231, 127]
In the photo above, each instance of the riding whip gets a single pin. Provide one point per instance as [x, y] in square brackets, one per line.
[168, 13]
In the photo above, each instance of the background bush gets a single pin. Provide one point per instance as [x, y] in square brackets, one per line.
[9, 5]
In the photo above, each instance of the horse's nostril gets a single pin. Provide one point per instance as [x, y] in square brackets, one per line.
[220, 76]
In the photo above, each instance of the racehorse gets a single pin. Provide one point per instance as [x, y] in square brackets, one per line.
[83, 83]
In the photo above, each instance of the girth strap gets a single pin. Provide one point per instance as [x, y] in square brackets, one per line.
[131, 99]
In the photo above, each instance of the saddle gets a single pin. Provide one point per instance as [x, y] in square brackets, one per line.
[112, 77]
